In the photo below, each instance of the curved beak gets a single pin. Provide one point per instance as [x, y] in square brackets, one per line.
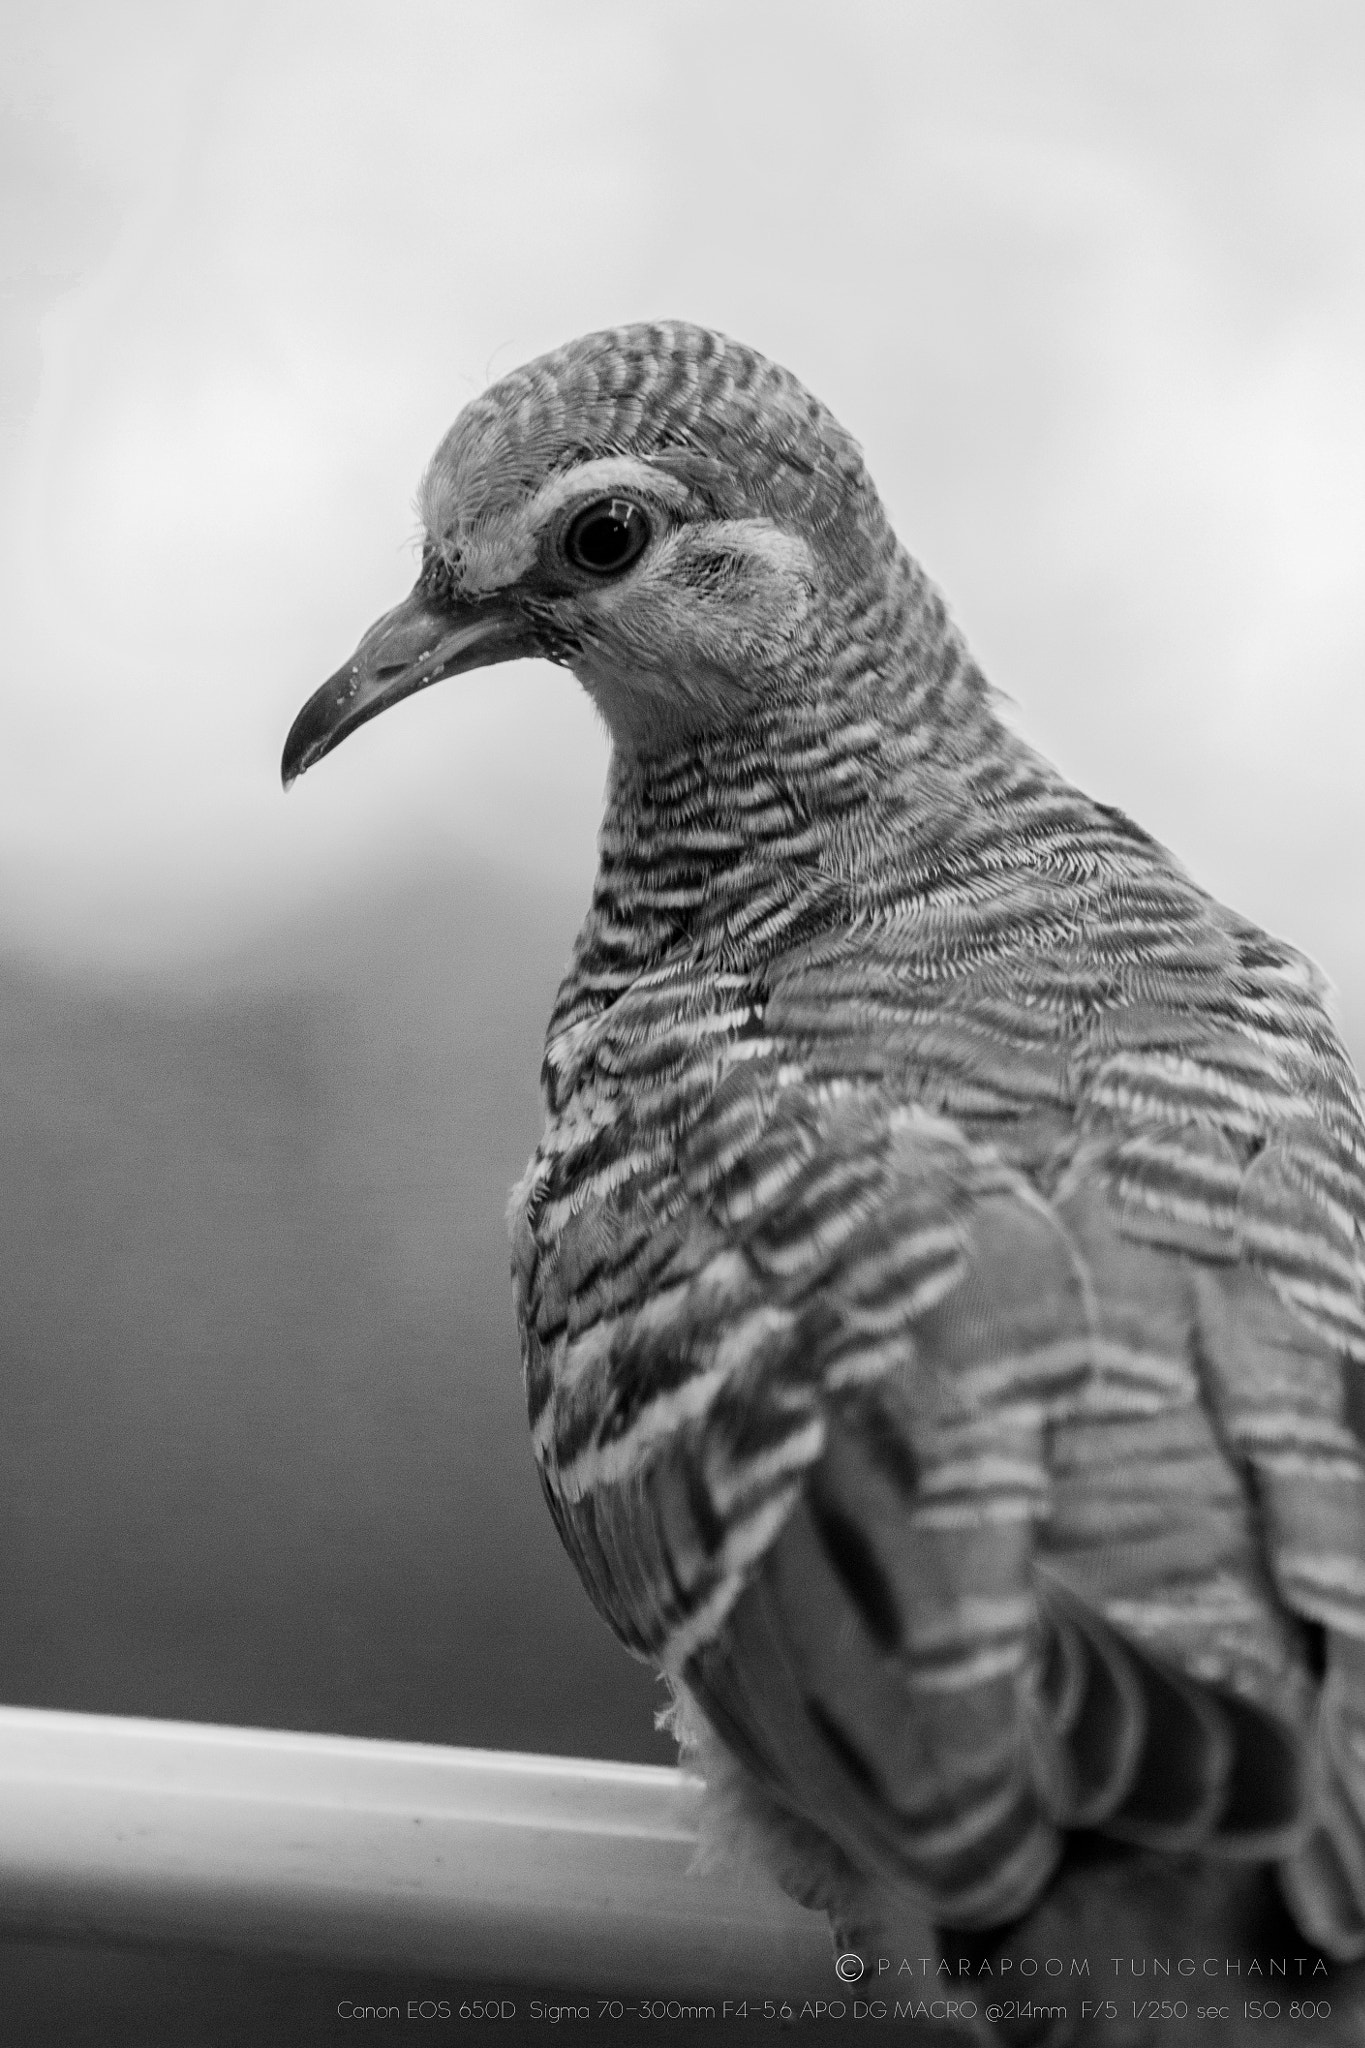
[417, 643]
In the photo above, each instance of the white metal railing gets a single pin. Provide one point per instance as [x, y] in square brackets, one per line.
[479, 1864]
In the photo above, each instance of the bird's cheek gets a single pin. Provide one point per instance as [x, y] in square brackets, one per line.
[731, 626]
[755, 620]
[666, 657]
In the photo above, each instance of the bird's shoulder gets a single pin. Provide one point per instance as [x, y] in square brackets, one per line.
[1120, 1022]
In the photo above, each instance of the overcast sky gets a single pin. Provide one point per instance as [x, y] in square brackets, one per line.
[1087, 282]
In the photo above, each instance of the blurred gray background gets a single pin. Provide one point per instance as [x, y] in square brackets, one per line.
[1089, 285]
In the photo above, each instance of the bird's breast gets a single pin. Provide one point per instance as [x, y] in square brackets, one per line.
[603, 1227]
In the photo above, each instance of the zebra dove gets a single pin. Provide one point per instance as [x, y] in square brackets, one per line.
[940, 1277]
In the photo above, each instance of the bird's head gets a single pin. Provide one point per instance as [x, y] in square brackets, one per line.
[656, 507]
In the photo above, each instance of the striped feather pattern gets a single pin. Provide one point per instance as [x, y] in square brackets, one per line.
[941, 1274]
[1086, 1214]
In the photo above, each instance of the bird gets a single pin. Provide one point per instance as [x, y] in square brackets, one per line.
[940, 1276]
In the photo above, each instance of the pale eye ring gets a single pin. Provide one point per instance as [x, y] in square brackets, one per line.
[607, 536]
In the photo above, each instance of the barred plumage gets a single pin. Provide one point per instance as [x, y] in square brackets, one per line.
[941, 1276]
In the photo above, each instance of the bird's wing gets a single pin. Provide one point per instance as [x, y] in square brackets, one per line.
[984, 1452]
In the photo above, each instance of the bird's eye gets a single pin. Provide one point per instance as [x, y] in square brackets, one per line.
[607, 536]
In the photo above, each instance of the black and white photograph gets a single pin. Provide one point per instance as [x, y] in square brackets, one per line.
[682, 998]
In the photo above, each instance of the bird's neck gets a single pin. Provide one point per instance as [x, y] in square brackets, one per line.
[884, 772]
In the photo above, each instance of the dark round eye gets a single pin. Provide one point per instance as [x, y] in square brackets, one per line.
[607, 536]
